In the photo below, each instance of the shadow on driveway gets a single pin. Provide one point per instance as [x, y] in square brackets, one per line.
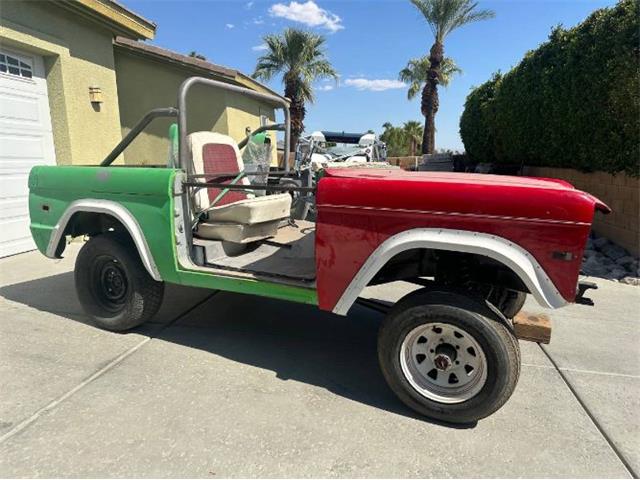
[297, 342]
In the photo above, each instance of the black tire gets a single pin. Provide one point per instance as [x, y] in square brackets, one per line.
[513, 303]
[479, 320]
[113, 286]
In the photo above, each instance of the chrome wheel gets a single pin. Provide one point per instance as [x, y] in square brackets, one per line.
[443, 363]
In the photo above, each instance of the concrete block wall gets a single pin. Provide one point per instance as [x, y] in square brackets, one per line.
[405, 162]
[621, 192]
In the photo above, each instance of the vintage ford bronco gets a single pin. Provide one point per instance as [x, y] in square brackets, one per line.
[476, 244]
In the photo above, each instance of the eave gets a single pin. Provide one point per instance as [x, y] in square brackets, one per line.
[113, 16]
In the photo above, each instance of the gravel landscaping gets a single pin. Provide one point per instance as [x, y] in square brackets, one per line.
[604, 259]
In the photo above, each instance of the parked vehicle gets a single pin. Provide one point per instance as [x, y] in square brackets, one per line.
[322, 150]
[476, 244]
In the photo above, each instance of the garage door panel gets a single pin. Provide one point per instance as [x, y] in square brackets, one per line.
[19, 108]
[14, 147]
[12, 186]
[15, 208]
[23, 110]
[26, 140]
[19, 245]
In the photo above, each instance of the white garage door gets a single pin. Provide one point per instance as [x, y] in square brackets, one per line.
[26, 140]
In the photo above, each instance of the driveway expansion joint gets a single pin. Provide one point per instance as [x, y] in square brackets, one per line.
[97, 374]
[591, 416]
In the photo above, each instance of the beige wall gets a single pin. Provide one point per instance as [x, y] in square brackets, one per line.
[78, 54]
[145, 83]
[405, 162]
[621, 192]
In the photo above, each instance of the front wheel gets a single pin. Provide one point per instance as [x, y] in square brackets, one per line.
[448, 357]
[113, 286]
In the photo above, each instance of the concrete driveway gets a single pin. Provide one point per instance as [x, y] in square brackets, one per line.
[225, 385]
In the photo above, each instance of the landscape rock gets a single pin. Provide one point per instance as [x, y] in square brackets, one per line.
[593, 267]
[625, 261]
[603, 258]
[616, 274]
[614, 251]
[600, 242]
[590, 253]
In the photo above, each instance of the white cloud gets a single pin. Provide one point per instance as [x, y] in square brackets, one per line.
[229, 25]
[260, 48]
[325, 88]
[378, 85]
[248, 5]
[308, 13]
[258, 21]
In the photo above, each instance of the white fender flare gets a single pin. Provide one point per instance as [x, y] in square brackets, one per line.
[117, 211]
[500, 249]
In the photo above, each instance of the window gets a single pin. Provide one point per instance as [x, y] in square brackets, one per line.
[15, 66]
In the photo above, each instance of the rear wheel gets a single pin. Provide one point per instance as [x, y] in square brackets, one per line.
[509, 302]
[448, 357]
[113, 286]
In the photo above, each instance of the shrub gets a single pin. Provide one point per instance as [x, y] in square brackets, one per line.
[476, 127]
[573, 102]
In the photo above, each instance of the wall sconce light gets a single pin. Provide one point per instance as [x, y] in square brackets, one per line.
[95, 94]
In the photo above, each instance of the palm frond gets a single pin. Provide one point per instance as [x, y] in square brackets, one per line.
[300, 58]
[416, 71]
[444, 16]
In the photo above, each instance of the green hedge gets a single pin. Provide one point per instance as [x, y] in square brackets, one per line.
[574, 102]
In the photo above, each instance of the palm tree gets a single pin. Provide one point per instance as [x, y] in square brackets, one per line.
[443, 17]
[415, 73]
[394, 137]
[299, 56]
[413, 134]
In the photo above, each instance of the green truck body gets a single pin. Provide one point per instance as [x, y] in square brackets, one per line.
[147, 194]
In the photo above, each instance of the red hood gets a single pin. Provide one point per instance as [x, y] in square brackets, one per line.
[466, 193]
[449, 177]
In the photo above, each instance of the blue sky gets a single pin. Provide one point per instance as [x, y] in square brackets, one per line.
[368, 42]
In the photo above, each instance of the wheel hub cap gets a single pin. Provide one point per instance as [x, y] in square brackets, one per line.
[443, 362]
[444, 358]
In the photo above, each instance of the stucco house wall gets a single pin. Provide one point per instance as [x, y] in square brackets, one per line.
[82, 46]
[145, 83]
[78, 53]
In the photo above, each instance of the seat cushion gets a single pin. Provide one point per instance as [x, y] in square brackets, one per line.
[214, 153]
[253, 210]
[236, 232]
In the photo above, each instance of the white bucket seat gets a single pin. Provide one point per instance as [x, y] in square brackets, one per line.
[237, 216]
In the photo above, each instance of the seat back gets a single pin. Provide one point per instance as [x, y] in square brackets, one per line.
[214, 153]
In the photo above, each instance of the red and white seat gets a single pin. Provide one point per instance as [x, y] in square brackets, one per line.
[237, 216]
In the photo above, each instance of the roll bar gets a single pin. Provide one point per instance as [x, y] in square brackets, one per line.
[135, 131]
[183, 157]
[181, 113]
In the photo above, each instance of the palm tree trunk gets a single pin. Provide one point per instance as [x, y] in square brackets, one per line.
[430, 101]
[297, 110]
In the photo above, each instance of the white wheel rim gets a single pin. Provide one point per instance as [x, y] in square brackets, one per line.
[443, 363]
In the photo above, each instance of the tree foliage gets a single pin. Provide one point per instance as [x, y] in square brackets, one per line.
[573, 102]
[417, 69]
[301, 59]
[403, 140]
[442, 17]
